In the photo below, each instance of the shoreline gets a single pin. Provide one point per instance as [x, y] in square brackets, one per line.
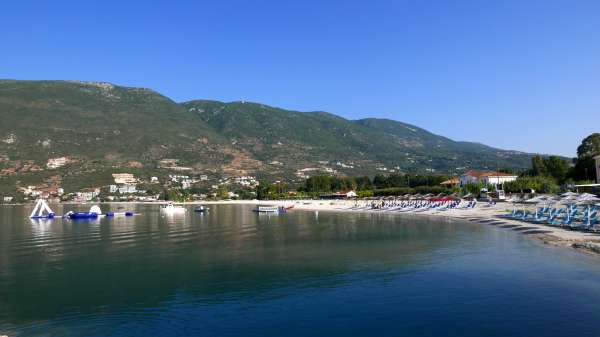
[490, 216]
[585, 242]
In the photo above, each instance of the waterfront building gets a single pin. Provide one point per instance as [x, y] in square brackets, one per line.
[488, 178]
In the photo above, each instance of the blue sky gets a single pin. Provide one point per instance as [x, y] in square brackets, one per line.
[521, 75]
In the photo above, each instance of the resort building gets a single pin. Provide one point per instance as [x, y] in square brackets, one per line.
[491, 178]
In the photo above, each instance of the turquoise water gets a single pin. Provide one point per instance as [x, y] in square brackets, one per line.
[235, 273]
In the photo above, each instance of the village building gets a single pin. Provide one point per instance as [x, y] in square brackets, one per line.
[124, 178]
[451, 183]
[52, 191]
[128, 189]
[88, 194]
[488, 178]
[54, 163]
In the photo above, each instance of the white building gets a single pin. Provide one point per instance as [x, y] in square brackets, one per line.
[124, 178]
[54, 163]
[597, 158]
[154, 180]
[88, 194]
[128, 189]
[491, 178]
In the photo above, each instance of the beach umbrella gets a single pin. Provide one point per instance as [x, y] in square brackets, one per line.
[536, 200]
[585, 197]
[569, 194]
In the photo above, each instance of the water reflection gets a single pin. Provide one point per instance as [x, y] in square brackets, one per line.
[62, 272]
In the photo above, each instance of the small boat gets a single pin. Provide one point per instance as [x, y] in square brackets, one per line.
[201, 209]
[269, 209]
[172, 209]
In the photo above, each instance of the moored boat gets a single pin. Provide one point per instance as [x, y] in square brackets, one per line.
[201, 209]
[172, 209]
[269, 209]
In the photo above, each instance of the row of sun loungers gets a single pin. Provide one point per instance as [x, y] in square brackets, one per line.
[416, 206]
[572, 217]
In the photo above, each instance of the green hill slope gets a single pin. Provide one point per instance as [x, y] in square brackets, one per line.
[302, 139]
[107, 128]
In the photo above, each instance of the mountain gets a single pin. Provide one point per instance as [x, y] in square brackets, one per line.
[105, 128]
[302, 139]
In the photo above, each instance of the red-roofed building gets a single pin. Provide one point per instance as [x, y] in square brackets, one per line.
[491, 178]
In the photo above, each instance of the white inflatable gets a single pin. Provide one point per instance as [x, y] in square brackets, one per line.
[96, 209]
[41, 210]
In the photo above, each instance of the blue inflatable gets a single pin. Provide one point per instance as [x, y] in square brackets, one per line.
[49, 216]
[83, 215]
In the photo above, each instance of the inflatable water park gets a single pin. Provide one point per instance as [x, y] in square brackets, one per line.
[43, 211]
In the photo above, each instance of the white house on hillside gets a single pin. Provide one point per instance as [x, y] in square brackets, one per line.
[492, 178]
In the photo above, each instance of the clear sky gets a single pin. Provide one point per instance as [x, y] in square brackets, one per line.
[514, 74]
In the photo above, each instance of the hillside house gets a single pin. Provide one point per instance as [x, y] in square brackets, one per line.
[124, 178]
[88, 194]
[54, 163]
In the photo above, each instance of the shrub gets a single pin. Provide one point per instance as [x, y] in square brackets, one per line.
[539, 184]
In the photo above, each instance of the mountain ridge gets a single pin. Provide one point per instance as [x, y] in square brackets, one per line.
[107, 127]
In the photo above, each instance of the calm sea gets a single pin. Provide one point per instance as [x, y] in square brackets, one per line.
[235, 273]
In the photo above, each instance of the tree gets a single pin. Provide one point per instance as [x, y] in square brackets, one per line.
[540, 184]
[363, 183]
[380, 181]
[590, 146]
[557, 168]
[585, 167]
[538, 166]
